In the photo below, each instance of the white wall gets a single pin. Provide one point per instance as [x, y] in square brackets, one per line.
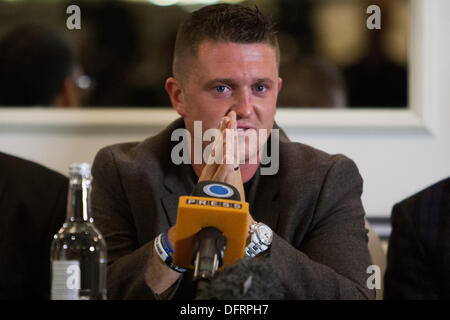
[397, 152]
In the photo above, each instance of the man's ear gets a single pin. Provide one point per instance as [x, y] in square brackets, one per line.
[67, 97]
[176, 94]
[280, 83]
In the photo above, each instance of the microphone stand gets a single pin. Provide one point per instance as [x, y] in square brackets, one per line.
[209, 247]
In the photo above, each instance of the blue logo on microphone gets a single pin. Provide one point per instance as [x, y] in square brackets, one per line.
[218, 190]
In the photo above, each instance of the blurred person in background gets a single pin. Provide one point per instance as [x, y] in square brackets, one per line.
[37, 68]
[313, 82]
[32, 209]
[418, 257]
[375, 79]
[110, 54]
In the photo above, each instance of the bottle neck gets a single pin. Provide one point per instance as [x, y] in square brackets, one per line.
[78, 199]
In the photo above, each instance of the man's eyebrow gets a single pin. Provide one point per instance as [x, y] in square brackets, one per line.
[233, 83]
[228, 82]
[266, 80]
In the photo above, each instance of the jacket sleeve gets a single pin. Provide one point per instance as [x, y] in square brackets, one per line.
[127, 261]
[332, 259]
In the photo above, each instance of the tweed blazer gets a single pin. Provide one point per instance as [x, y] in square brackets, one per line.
[312, 204]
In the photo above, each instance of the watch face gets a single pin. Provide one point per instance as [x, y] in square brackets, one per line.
[265, 234]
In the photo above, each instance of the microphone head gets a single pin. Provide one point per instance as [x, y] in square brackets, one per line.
[215, 189]
[249, 279]
[212, 204]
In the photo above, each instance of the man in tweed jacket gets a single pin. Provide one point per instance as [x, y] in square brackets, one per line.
[226, 75]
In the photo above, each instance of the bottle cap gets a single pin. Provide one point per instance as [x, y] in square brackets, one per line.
[81, 169]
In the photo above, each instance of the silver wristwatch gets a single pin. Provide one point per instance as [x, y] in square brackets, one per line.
[261, 239]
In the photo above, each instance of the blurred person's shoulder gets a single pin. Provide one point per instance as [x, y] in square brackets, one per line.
[33, 194]
[27, 172]
[430, 194]
[425, 205]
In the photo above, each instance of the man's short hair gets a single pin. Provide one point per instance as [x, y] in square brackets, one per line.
[34, 62]
[221, 23]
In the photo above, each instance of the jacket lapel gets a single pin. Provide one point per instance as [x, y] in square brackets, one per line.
[170, 205]
[264, 192]
[178, 179]
[264, 200]
[178, 182]
[264, 197]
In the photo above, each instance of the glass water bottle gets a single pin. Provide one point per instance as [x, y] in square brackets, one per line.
[78, 251]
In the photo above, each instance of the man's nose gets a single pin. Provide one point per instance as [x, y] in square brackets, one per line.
[244, 105]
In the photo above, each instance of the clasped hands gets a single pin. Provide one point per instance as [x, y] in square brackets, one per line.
[227, 170]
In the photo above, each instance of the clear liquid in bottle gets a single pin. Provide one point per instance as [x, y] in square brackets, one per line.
[78, 251]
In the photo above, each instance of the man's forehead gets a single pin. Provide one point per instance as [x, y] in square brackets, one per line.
[232, 50]
[225, 59]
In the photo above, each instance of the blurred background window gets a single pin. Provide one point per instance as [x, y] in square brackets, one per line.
[329, 58]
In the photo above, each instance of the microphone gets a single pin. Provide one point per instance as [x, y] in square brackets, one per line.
[207, 255]
[211, 218]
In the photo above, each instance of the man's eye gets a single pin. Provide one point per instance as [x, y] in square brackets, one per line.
[220, 89]
[260, 88]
